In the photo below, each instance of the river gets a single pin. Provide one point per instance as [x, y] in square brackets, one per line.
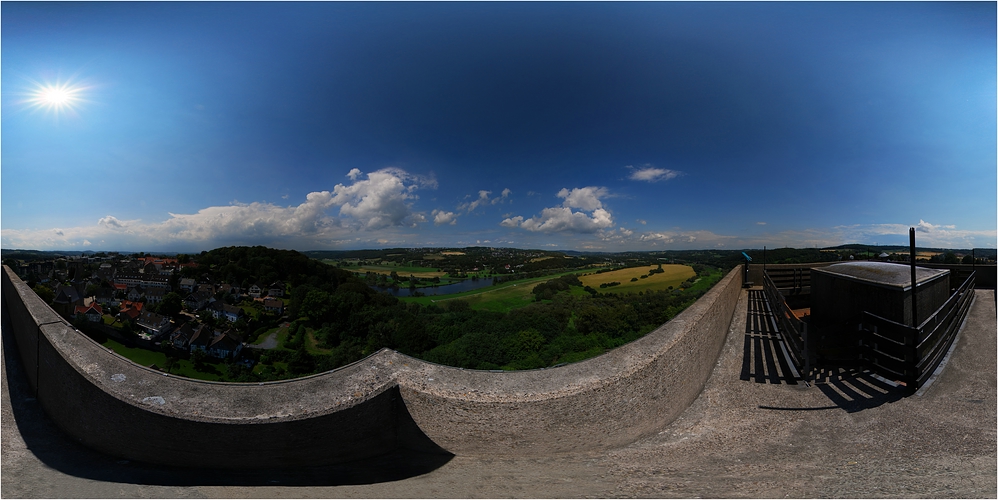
[462, 286]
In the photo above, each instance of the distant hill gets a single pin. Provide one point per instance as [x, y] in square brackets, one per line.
[857, 247]
[30, 255]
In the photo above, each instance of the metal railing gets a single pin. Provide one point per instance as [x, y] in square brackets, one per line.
[792, 330]
[911, 354]
[793, 281]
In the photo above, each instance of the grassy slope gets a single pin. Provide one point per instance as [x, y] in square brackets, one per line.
[181, 367]
[502, 297]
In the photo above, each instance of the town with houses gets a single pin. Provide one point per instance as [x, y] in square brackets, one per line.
[158, 299]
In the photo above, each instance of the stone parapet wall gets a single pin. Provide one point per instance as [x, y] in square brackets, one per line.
[599, 403]
[383, 402]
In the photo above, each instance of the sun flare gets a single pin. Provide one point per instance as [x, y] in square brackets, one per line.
[57, 98]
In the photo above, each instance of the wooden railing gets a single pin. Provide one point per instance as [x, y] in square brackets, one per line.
[792, 330]
[910, 354]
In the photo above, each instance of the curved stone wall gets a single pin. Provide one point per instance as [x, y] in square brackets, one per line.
[366, 408]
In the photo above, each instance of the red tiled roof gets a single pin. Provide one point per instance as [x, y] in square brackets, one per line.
[127, 305]
[86, 309]
[131, 313]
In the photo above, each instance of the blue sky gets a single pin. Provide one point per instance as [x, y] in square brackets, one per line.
[586, 126]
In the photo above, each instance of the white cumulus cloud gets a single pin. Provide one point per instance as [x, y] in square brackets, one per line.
[564, 219]
[586, 198]
[652, 174]
[483, 199]
[441, 217]
[111, 222]
[512, 222]
[381, 200]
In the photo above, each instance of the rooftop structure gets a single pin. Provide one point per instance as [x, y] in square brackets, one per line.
[840, 292]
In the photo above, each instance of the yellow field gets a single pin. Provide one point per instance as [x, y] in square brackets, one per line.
[451, 253]
[538, 259]
[673, 276]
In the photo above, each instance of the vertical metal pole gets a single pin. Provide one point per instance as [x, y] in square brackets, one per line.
[914, 309]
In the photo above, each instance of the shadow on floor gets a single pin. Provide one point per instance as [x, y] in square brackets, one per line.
[60, 452]
[764, 361]
[855, 389]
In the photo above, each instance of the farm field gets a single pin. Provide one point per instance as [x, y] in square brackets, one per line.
[500, 298]
[419, 272]
[673, 275]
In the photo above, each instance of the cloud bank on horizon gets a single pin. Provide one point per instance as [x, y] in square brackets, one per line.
[639, 127]
[377, 209]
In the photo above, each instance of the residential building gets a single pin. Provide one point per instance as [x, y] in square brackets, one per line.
[135, 294]
[275, 306]
[155, 295]
[93, 312]
[66, 299]
[225, 345]
[153, 324]
[231, 313]
[130, 311]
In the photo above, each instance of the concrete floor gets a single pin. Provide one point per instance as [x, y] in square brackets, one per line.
[755, 431]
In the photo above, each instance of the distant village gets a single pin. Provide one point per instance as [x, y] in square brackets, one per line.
[157, 299]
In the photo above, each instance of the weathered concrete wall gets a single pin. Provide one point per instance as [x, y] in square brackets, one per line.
[363, 410]
[602, 402]
[113, 405]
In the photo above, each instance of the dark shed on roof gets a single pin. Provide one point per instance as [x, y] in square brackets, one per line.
[841, 292]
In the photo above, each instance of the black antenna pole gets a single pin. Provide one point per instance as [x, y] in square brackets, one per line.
[914, 309]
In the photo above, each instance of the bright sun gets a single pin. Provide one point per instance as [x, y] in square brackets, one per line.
[56, 98]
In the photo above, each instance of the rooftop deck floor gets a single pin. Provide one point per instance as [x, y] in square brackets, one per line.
[753, 432]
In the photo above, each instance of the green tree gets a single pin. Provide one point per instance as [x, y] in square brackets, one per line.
[199, 357]
[524, 343]
[171, 305]
[315, 305]
[45, 293]
[301, 362]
